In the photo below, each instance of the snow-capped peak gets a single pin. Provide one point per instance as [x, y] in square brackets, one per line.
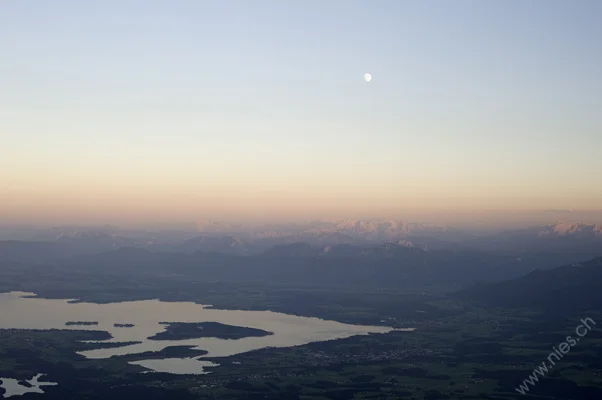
[567, 229]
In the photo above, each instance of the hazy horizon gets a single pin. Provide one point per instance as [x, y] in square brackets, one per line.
[484, 221]
[132, 112]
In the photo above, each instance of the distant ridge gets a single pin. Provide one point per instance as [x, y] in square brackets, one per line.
[569, 288]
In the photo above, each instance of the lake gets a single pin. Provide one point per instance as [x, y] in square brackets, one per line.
[13, 388]
[19, 311]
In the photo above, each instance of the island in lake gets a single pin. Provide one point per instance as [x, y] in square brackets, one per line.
[85, 323]
[124, 325]
[196, 330]
[168, 352]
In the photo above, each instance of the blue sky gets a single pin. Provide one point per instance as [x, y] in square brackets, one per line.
[473, 104]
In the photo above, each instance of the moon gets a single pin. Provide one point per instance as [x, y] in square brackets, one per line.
[367, 77]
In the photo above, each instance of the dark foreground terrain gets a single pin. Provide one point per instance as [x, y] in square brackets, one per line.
[477, 354]
[480, 343]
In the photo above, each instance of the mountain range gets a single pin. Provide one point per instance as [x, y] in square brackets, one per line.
[576, 240]
[389, 265]
[336, 254]
[565, 290]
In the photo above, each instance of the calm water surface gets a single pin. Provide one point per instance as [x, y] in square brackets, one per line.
[13, 388]
[20, 312]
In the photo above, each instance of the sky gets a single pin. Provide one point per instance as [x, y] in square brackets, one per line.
[138, 110]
